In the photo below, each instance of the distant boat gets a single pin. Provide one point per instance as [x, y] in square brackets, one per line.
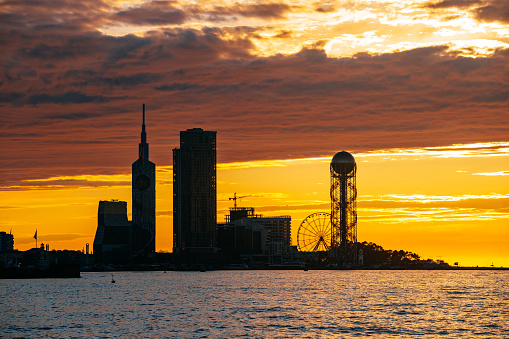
[112, 280]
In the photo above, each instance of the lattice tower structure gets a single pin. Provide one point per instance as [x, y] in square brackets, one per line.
[343, 193]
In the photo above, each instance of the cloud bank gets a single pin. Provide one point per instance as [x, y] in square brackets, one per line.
[71, 94]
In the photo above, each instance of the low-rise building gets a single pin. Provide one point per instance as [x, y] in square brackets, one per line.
[112, 242]
[255, 238]
[6, 242]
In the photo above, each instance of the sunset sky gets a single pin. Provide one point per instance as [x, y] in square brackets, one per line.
[417, 91]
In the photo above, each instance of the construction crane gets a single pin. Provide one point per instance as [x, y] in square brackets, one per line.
[235, 197]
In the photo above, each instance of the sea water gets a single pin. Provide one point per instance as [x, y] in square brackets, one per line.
[259, 304]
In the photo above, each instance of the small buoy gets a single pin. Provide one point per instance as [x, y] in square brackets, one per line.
[112, 280]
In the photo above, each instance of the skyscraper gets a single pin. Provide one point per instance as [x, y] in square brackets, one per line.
[144, 199]
[194, 192]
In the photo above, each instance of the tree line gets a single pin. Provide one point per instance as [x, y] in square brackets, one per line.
[375, 254]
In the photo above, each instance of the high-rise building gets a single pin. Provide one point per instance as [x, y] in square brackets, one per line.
[112, 238]
[144, 199]
[194, 192]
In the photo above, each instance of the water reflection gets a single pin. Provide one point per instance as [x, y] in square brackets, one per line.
[284, 304]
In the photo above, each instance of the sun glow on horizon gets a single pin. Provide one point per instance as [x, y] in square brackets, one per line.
[298, 187]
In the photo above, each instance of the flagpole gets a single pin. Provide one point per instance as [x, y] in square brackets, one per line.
[35, 236]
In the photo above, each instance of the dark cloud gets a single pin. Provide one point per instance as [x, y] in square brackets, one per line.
[133, 80]
[10, 97]
[124, 47]
[44, 51]
[496, 11]
[453, 4]
[284, 35]
[267, 11]
[178, 87]
[67, 17]
[54, 5]
[73, 116]
[47, 16]
[465, 65]
[262, 10]
[152, 13]
[125, 81]
[482, 10]
[67, 98]
[324, 8]
[502, 96]
[199, 88]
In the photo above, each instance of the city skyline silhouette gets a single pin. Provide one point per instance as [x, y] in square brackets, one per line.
[416, 91]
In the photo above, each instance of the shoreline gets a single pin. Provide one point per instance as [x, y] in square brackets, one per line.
[202, 268]
[74, 272]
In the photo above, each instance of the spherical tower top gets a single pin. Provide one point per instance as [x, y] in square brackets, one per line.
[343, 162]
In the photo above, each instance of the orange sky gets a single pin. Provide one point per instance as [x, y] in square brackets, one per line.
[286, 85]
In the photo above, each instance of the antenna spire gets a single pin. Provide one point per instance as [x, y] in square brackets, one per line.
[143, 148]
[143, 125]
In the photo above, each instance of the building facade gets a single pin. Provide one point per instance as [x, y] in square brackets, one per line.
[144, 199]
[194, 192]
[112, 242]
[256, 238]
[6, 242]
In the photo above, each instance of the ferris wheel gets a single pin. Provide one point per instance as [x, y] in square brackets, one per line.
[315, 233]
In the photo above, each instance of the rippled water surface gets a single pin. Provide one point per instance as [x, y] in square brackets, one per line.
[259, 304]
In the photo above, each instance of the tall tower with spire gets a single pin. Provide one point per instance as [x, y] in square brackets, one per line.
[144, 199]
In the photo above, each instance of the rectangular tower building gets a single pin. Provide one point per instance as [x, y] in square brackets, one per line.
[6, 242]
[194, 192]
